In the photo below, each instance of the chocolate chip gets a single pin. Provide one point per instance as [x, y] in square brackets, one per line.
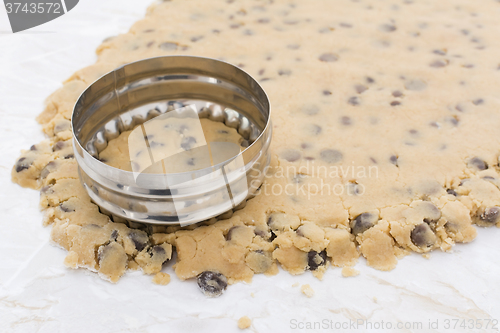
[415, 85]
[194, 39]
[452, 192]
[153, 144]
[291, 155]
[363, 222]
[244, 143]
[423, 236]
[394, 160]
[477, 163]
[223, 132]
[212, 284]
[345, 25]
[395, 103]
[47, 189]
[69, 156]
[331, 155]
[139, 238]
[490, 215]
[168, 46]
[353, 100]
[346, 120]
[22, 164]
[313, 129]
[58, 145]
[310, 110]
[50, 167]
[188, 142]
[114, 235]
[328, 57]
[360, 88]
[370, 80]
[327, 92]
[438, 63]
[157, 250]
[397, 93]
[478, 101]
[65, 207]
[387, 28]
[440, 52]
[315, 259]
[33, 147]
[230, 232]
[284, 72]
[454, 120]
[263, 20]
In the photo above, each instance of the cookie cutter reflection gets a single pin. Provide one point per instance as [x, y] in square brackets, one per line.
[141, 95]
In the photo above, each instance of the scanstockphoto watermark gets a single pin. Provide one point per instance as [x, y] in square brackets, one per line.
[309, 179]
[365, 324]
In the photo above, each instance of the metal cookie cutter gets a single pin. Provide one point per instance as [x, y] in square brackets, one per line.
[180, 87]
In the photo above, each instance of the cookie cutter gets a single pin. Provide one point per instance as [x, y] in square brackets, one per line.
[141, 91]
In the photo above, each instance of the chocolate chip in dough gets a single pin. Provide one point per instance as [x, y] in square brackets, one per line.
[58, 145]
[331, 155]
[415, 85]
[139, 238]
[438, 63]
[488, 217]
[212, 284]
[353, 101]
[477, 163]
[291, 155]
[395, 103]
[387, 28]
[22, 164]
[188, 143]
[315, 259]
[363, 222]
[394, 160]
[397, 93]
[452, 192]
[313, 129]
[346, 121]
[360, 88]
[423, 236]
[328, 57]
[439, 52]
[230, 232]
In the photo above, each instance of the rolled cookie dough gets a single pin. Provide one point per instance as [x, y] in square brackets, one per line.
[385, 123]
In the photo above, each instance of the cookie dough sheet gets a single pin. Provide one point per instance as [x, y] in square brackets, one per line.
[385, 120]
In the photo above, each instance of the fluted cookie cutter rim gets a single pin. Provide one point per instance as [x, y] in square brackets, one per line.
[139, 91]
